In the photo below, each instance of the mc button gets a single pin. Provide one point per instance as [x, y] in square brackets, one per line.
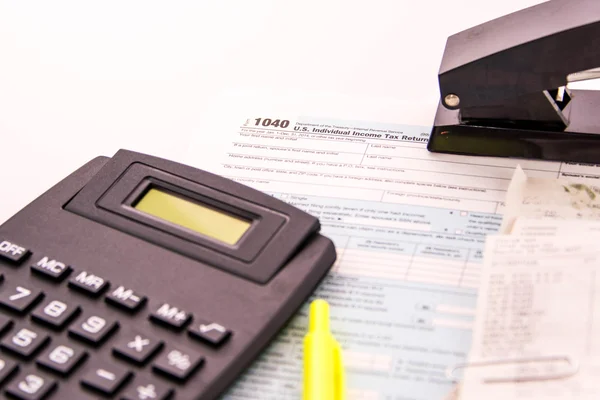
[50, 268]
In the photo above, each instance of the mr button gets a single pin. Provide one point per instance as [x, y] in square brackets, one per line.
[52, 269]
[88, 283]
[13, 252]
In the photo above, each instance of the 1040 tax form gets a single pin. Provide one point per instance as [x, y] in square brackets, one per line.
[409, 228]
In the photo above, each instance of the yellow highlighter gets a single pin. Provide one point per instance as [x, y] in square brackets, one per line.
[323, 369]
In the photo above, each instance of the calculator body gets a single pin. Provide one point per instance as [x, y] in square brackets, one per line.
[100, 300]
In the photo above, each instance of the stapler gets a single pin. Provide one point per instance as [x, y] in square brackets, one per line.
[504, 86]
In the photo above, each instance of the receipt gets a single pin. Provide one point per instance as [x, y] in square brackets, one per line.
[536, 197]
[536, 333]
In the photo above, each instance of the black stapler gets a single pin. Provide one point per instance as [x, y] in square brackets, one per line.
[503, 86]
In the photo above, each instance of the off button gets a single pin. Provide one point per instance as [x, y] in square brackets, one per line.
[13, 252]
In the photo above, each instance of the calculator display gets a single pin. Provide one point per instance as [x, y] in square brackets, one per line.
[199, 218]
[193, 213]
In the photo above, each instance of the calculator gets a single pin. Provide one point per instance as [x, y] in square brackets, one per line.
[139, 278]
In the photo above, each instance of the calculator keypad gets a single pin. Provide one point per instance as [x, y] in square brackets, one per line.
[53, 356]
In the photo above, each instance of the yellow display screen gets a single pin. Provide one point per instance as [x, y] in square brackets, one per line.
[196, 217]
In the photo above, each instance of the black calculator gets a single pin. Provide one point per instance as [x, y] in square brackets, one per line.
[139, 278]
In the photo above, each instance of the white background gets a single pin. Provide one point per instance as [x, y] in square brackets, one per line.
[80, 78]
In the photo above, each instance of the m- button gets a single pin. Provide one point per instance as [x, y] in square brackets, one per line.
[126, 299]
[13, 252]
[50, 268]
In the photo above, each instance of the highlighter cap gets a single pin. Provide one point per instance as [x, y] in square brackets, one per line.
[319, 316]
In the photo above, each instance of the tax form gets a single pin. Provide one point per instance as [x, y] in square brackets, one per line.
[409, 228]
[537, 328]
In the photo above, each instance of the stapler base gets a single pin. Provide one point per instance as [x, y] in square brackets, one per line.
[578, 143]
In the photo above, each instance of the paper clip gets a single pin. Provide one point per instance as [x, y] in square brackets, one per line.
[572, 369]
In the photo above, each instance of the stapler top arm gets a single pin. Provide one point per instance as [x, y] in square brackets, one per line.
[503, 85]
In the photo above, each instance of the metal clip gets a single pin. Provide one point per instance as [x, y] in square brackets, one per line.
[572, 369]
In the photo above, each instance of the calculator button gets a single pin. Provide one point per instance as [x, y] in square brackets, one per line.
[88, 283]
[25, 342]
[13, 252]
[20, 298]
[147, 390]
[5, 324]
[51, 268]
[93, 329]
[62, 358]
[31, 386]
[55, 313]
[137, 347]
[7, 368]
[210, 332]
[125, 298]
[106, 378]
[170, 316]
[178, 363]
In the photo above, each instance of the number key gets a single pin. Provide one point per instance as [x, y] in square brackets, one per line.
[7, 368]
[62, 358]
[25, 342]
[31, 386]
[19, 299]
[93, 329]
[55, 313]
[5, 324]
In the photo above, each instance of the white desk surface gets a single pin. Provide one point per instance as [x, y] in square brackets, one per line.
[80, 79]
